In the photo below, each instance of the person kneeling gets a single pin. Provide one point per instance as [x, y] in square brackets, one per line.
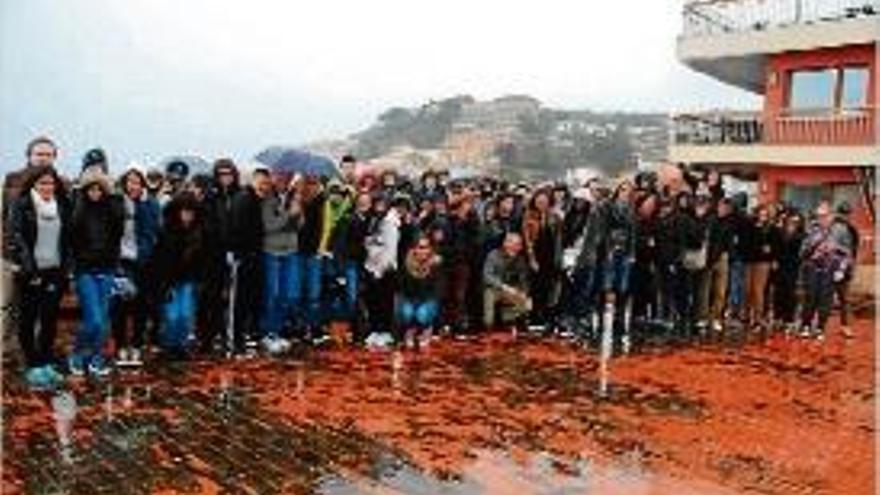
[419, 294]
[505, 276]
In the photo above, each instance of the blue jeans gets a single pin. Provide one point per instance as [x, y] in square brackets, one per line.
[415, 313]
[737, 289]
[616, 272]
[179, 316]
[279, 273]
[93, 292]
[306, 288]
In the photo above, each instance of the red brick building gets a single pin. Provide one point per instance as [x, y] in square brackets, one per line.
[815, 64]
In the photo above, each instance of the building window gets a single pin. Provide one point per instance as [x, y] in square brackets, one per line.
[807, 197]
[854, 89]
[812, 89]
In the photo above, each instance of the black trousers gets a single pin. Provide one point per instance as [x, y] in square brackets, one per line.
[213, 304]
[39, 301]
[379, 299]
[137, 308]
[248, 298]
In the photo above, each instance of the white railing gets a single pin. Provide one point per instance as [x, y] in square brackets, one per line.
[712, 17]
[818, 127]
[719, 127]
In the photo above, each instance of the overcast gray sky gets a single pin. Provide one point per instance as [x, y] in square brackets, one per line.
[150, 78]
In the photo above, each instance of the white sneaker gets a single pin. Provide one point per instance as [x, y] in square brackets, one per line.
[283, 344]
[135, 357]
[410, 338]
[717, 327]
[270, 345]
[425, 340]
[123, 357]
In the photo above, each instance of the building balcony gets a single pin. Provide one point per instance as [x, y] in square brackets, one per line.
[731, 39]
[820, 137]
[717, 17]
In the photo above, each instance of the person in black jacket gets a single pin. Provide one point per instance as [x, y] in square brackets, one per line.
[620, 252]
[246, 242]
[178, 263]
[96, 231]
[39, 223]
[644, 278]
[668, 251]
[689, 235]
[461, 248]
[721, 232]
[219, 230]
[307, 283]
[760, 257]
[788, 271]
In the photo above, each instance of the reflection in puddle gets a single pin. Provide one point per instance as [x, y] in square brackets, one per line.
[496, 472]
[64, 412]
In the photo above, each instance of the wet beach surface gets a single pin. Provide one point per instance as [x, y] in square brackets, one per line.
[493, 415]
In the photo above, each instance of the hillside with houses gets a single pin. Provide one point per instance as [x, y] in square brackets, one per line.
[514, 136]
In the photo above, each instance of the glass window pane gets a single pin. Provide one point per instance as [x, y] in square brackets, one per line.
[849, 193]
[854, 93]
[812, 89]
[802, 197]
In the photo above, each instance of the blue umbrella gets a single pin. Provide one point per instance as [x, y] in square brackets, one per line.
[296, 161]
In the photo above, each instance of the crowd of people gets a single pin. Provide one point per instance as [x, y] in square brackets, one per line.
[220, 264]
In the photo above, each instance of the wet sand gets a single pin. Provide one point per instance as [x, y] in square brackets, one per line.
[490, 416]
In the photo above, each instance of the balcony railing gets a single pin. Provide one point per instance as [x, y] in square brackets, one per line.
[712, 17]
[852, 127]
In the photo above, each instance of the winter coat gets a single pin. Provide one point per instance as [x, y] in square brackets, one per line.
[593, 233]
[543, 239]
[721, 232]
[312, 225]
[620, 233]
[247, 223]
[503, 270]
[96, 233]
[22, 231]
[179, 257]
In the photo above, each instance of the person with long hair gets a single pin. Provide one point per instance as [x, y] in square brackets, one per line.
[139, 235]
[39, 223]
[96, 234]
[619, 258]
[179, 262]
[307, 282]
[542, 233]
[419, 293]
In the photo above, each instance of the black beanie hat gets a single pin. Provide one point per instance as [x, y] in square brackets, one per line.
[95, 156]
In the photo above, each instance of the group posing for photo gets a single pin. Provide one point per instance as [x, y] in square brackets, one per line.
[169, 265]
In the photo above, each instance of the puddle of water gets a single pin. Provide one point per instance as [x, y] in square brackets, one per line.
[493, 472]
